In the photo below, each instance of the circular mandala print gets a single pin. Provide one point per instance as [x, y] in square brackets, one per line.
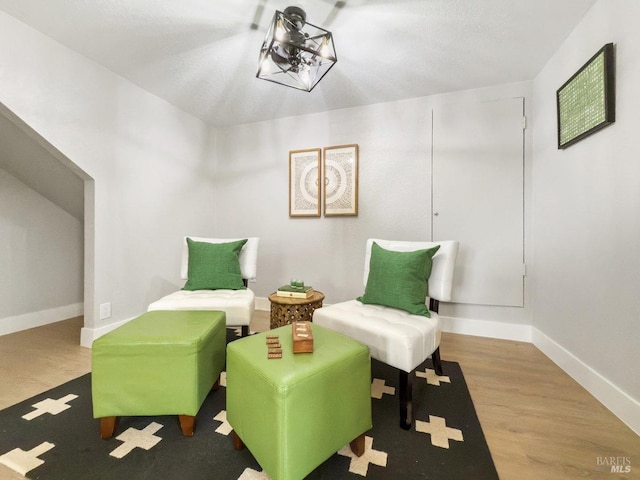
[336, 185]
[308, 183]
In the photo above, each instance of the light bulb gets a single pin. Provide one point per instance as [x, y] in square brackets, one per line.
[280, 31]
[324, 49]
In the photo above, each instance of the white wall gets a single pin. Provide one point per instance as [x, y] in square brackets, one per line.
[148, 177]
[586, 210]
[394, 198]
[40, 257]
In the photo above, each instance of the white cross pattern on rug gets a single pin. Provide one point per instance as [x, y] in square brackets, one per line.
[440, 433]
[251, 474]
[225, 427]
[23, 462]
[49, 405]
[378, 388]
[432, 378]
[360, 465]
[223, 379]
[134, 438]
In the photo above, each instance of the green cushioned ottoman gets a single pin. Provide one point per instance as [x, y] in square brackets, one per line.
[295, 412]
[160, 363]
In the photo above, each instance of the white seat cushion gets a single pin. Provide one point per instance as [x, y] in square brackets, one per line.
[238, 305]
[393, 336]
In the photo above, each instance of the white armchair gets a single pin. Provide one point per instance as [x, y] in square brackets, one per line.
[238, 305]
[396, 337]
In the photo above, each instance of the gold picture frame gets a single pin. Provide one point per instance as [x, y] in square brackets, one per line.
[304, 185]
[340, 173]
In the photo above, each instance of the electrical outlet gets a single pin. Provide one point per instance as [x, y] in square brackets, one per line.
[105, 310]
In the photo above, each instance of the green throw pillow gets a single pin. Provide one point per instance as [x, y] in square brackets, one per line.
[399, 279]
[214, 266]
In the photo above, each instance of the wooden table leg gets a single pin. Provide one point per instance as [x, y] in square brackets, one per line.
[187, 424]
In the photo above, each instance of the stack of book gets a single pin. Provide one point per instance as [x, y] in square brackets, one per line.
[294, 292]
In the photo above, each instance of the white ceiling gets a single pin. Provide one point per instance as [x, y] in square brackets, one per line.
[202, 55]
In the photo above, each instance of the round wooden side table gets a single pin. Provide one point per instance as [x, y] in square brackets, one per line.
[285, 310]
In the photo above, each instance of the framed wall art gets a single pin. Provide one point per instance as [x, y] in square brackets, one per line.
[340, 180]
[304, 183]
[586, 102]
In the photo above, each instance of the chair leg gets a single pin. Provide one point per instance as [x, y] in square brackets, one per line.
[244, 331]
[437, 363]
[406, 396]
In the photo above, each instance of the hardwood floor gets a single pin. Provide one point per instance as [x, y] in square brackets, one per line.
[539, 423]
[38, 359]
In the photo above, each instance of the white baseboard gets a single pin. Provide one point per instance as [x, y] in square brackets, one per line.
[620, 403]
[486, 328]
[25, 321]
[263, 304]
[88, 335]
[626, 408]
[464, 326]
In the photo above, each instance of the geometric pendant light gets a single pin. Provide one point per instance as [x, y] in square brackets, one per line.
[295, 53]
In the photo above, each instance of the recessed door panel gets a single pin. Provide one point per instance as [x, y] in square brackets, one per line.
[478, 197]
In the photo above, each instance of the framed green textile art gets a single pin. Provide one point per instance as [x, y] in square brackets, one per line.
[586, 102]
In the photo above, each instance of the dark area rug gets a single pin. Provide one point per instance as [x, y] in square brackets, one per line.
[446, 441]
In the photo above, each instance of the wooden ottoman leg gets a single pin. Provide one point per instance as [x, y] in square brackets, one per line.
[238, 444]
[107, 426]
[187, 424]
[216, 385]
[357, 446]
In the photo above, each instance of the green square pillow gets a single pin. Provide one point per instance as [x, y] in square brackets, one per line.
[399, 279]
[214, 266]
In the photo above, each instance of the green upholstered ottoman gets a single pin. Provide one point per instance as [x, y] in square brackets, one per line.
[160, 363]
[295, 412]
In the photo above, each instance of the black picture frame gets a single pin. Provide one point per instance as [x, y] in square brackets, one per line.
[586, 102]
